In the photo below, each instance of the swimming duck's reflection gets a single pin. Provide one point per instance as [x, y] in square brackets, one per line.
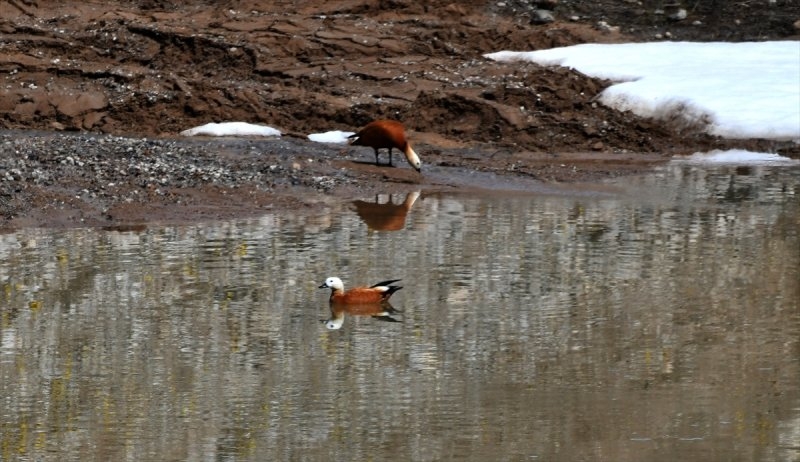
[386, 216]
[380, 311]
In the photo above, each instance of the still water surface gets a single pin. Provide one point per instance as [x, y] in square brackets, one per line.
[658, 320]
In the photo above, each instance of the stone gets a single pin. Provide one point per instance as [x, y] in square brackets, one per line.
[679, 15]
[71, 106]
[542, 17]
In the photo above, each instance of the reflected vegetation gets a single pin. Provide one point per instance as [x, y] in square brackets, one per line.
[659, 324]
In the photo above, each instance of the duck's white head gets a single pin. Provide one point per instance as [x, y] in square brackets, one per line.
[334, 323]
[413, 158]
[332, 283]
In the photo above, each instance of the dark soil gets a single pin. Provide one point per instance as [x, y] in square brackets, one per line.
[152, 68]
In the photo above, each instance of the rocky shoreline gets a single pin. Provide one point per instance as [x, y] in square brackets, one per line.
[50, 179]
[63, 180]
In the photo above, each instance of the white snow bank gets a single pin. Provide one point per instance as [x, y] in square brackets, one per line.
[231, 129]
[334, 136]
[741, 90]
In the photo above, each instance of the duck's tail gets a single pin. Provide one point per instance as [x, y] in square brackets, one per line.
[387, 283]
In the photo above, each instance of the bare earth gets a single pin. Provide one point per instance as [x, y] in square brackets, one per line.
[95, 94]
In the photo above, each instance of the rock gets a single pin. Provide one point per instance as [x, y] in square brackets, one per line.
[71, 106]
[196, 107]
[605, 27]
[679, 15]
[455, 10]
[542, 17]
[92, 118]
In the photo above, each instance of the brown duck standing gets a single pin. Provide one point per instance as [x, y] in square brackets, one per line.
[388, 134]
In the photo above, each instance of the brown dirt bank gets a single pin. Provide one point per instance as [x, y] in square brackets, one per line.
[154, 68]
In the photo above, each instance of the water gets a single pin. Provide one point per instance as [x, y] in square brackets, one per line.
[659, 320]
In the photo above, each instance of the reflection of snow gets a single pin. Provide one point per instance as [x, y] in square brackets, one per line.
[8, 243]
[738, 157]
[789, 432]
[8, 342]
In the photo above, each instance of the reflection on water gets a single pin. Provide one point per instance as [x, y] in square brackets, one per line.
[385, 216]
[659, 324]
[381, 311]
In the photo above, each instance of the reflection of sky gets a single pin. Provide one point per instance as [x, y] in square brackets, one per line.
[9, 341]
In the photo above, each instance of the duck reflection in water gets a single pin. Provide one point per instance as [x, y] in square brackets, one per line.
[360, 301]
[381, 311]
[386, 216]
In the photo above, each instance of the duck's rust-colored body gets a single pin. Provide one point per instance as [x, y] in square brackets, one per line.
[386, 134]
[378, 293]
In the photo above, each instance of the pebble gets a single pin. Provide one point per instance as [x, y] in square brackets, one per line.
[542, 17]
[678, 15]
[606, 27]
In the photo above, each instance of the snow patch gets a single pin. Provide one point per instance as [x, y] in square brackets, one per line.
[231, 129]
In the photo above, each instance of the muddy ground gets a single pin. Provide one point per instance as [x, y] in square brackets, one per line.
[101, 91]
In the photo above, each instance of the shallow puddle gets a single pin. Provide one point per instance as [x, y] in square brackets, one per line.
[657, 321]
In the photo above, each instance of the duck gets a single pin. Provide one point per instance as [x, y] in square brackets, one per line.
[388, 134]
[377, 293]
[381, 311]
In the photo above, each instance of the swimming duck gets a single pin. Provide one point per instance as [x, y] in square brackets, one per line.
[380, 292]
